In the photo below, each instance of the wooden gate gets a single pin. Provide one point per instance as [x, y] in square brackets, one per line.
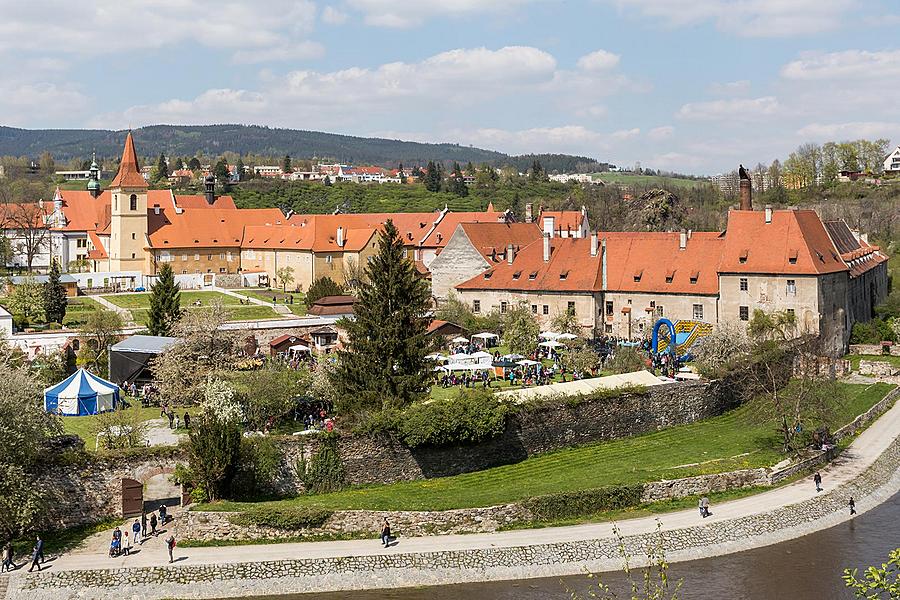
[186, 494]
[132, 498]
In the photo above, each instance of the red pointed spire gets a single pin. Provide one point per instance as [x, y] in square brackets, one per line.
[129, 174]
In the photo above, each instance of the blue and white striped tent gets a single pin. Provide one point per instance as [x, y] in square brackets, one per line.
[81, 394]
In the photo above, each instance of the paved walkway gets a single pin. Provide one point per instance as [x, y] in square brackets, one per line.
[281, 309]
[861, 454]
[124, 312]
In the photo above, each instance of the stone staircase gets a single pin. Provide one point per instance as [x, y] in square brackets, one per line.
[4, 585]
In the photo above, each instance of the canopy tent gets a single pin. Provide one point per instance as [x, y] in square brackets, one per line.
[130, 359]
[459, 340]
[551, 344]
[549, 335]
[481, 355]
[299, 348]
[437, 357]
[81, 394]
[528, 363]
[512, 357]
[486, 336]
[567, 336]
[469, 367]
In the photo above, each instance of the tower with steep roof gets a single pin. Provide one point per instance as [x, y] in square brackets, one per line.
[128, 213]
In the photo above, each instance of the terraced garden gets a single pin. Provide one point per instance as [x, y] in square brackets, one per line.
[736, 440]
[139, 305]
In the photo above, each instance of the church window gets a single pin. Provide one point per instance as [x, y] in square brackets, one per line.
[132, 203]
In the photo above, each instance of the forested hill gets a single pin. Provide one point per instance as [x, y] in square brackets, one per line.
[213, 140]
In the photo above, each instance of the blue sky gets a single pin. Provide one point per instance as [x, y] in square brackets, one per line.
[688, 85]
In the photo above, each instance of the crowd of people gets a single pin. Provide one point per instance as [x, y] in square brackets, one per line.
[142, 529]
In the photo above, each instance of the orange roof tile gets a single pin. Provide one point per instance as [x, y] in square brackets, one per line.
[795, 242]
[199, 201]
[490, 238]
[129, 174]
[206, 228]
[564, 220]
[99, 251]
[440, 235]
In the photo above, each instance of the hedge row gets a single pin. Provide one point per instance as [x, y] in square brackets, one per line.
[582, 503]
[285, 519]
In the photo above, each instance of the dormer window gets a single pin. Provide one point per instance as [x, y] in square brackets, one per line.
[563, 276]
[743, 257]
[670, 276]
[638, 275]
[532, 276]
[517, 274]
[792, 257]
[694, 277]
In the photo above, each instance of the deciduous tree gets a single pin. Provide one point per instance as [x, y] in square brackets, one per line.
[286, 276]
[521, 330]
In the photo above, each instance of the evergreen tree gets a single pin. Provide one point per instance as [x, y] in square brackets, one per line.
[165, 302]
[55, 300]
[240, 169]
[194, 164]
[432, 178]
[417, 171]
[515, 206]
[457, 182]
[537, 172]
[470, 169]
[162, 168]
[321, 287]
[384, 364]
[286, 165]
[221, 172]
[177, 163]
[327, 181]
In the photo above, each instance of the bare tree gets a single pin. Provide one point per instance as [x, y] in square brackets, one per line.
[31, 235]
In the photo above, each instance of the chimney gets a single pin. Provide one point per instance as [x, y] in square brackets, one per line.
[594, 243]
[746, 195]
[768, 213]
[603, 261]
[547, 237]
[549, 223]
[690, 233]
[682, 240]
[529, 216]
[510, 253]
[340, 237]
[210, 184]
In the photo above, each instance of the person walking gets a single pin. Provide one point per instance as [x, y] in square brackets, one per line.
[187, 420]
[136, 532]
[126, 543]
[163, 516]
[7, 564]
[39, 547]
[852, 505]
[704, 507]
[153, 524]
[170, 546]
[817, 479]
[386, 533]
[36, 554]
[176, 421]
[143, 527]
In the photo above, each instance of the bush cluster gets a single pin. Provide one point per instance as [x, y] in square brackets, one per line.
[257, 468]
[583, 503]
[285, 519]
[324, 472]
[469, 418]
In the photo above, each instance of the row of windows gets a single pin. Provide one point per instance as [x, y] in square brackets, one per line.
[184, 257]
[790, 288]
[504, 307]
[744, 312]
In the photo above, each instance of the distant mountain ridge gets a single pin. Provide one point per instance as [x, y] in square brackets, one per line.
[213, 140]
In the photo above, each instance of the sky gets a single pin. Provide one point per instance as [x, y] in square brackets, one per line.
[695, 86]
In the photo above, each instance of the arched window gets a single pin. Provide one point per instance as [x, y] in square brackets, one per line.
[133, 202]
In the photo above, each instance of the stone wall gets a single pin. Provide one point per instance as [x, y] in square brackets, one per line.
[878, 368]
[874, 349]
[555, 425]
[498, 562]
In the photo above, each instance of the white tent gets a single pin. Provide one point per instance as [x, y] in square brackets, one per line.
[299, 348]
[459, 340]
[512, 357]
[567, 336]
[528, 363]
[482, 355]
[437, 357]
[551, 344]
[486, 336]
[549, 335]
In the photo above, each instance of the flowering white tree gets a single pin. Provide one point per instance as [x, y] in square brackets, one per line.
[219, 402]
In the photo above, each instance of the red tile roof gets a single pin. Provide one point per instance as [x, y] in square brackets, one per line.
[564, 220]
[129, 174]
[440, 235]
[99, 252]
[794, 243]
[491, 238]
[199, 201]
[206, 228]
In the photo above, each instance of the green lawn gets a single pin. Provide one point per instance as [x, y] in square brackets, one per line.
[736, 440]
[139, 305]
[84, 427]
[266, 295]
[78, 310]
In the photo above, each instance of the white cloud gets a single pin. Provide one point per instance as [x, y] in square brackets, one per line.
[852, 130]
[103, 27]
[567, 138]
[333, 16]
[730, 88]
[849, 64]
[301, 51]
[749, 18]
[594, 111]
[600, 60]
[40, 104]
[625, 134]
[461, 77]
[739, 109]
[661, 133]
[409, 13]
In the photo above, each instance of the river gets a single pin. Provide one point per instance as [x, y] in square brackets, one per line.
[807, 568]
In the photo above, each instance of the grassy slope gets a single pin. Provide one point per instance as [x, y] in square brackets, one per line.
[139, 305]
[735, 440]
[84, 427]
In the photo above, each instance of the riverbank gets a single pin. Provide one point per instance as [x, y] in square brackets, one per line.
[867, 470]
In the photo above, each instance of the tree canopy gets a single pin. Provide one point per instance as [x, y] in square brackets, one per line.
[165, 302]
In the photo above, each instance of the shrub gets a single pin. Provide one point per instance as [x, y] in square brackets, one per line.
[583, 503]
[324, 472]
[871, 332]
[469, 418]
[286, 519]
[257, 468]
[626, 360]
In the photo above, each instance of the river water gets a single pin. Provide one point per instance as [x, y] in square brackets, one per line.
[807, 568]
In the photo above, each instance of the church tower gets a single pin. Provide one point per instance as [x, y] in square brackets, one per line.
[128, 204]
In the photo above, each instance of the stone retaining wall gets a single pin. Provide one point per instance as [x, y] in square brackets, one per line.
[878, 368]
[452, 566]
[874, 349]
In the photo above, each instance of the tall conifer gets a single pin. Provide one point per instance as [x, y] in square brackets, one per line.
[165, 302]
[55, 300]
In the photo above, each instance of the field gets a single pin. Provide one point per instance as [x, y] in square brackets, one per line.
[648, 180]
[84, 427]
[266, 295]
[78, 310]
[139, 305]
[736, 440]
